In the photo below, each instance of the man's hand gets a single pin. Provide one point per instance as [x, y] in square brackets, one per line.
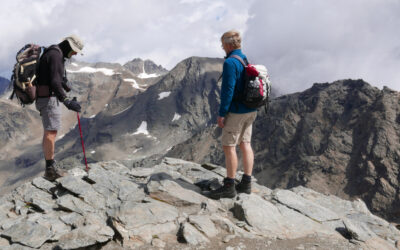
[72, 104]
[221, 121]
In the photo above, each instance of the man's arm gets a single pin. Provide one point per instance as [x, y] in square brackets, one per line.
[228, 87]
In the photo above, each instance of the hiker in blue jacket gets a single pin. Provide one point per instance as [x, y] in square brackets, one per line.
[235, 119]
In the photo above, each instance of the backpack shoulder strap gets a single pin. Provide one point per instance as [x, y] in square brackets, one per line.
[52, 47]
[243, 62]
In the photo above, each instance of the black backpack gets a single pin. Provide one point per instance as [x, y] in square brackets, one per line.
[24, 77]
[256, 85]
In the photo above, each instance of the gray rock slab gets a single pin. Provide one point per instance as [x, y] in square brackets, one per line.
[132, 214]
[40, 199]
[135, 219]
[196, 173]
[172, 193]
[77, 172]
[377, 225]
[204, 224]
[129, 190]
[71, 203]
[115, 167]
[20, 191]
[20, 206]
[74, 184]
[193, 236]
[85, 190]
[331, 202]
[114, 187]
[299, 225]
[209, 166]
[262, 215]
[304, 206]
[379, 243]
[51, 221]
[43, 184]
[3, 242]
[112, 245]
[72, 219]
[111, 198]
[141, 172]
[358, 231]
[228, 226]
[158, 243]
[179, 162]
[260, 190]
[28, 233]
[9, 222]
[147, 232]
[16, 247]
[85, 236]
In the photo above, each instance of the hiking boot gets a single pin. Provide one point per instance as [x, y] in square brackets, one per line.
[226, 191]
[54, 172]
[244, 187]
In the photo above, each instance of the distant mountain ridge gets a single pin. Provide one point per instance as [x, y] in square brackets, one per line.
[4, 83]
[340, 138]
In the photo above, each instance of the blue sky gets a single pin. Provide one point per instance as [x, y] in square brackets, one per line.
[300, 41]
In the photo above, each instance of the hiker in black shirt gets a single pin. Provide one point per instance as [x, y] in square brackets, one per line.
[51, 87]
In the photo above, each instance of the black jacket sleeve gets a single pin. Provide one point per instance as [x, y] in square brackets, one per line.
[56, 73]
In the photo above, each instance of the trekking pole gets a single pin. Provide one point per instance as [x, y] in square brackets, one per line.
[83, 146]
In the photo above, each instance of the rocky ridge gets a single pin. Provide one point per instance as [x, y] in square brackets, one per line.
[118, 207]
[339, 138]
[4, 82]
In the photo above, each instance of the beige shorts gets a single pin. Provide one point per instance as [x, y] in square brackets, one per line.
[237, 128]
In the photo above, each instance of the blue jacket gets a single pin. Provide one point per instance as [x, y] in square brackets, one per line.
[232, 75]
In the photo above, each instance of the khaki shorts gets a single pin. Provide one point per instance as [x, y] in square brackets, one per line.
[237, 128]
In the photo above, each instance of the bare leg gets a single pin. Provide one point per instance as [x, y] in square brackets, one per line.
[49, 139]
[248, 157]
[231, 161]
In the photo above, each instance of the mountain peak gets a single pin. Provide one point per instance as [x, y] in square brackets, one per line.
[144, 67]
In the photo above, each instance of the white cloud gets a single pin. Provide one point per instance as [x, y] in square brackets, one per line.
[302, 42]
[118, 32]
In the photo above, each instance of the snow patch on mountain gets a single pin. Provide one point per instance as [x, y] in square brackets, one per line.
[163, 95]
[142, 129]
[105, 71]
[134, 83]
[176, 117]
[145, 75]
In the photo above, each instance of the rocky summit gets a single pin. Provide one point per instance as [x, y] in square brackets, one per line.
[114, 206]
[339, 138]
